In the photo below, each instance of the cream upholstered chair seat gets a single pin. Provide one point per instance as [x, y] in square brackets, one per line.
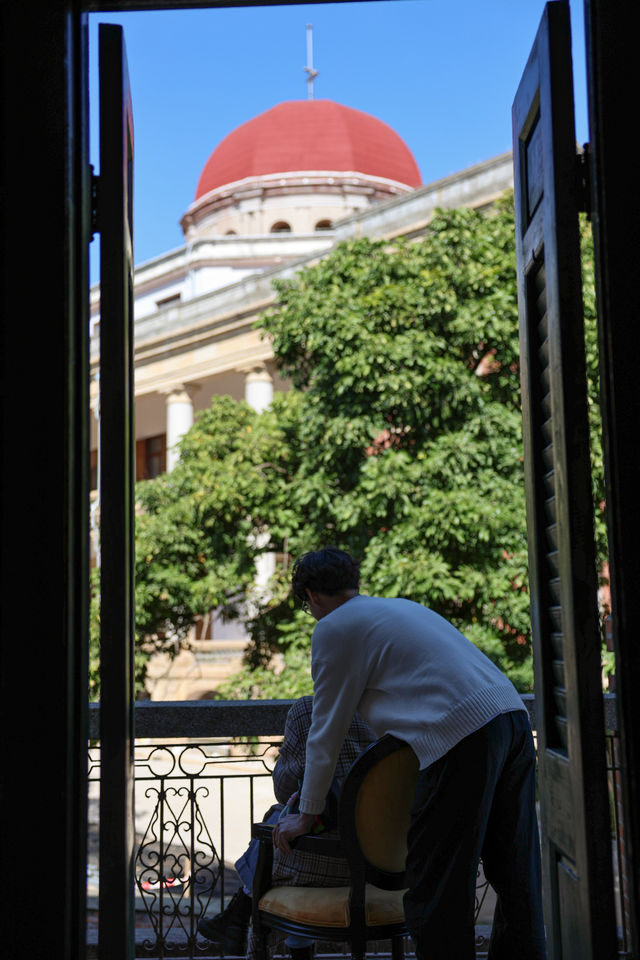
[373, 819]
[329, 906]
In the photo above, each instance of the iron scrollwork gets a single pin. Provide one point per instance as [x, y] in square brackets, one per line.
[180, 807]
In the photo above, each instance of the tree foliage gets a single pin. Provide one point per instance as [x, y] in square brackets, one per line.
[202, 526]
[400, 442]
[406, 357]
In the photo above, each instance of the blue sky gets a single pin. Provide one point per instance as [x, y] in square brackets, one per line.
[442, 73]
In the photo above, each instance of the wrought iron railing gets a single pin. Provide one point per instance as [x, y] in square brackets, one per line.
[203, 775]
[623, 917]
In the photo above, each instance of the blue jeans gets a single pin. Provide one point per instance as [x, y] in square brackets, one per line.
[246, 867]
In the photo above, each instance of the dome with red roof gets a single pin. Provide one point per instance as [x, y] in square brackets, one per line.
[309, 135]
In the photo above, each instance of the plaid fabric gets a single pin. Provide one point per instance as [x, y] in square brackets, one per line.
[306, 869]
[289, 768]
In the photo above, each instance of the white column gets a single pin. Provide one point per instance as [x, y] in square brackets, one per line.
[258, 392]
[265, 566]
[258, 388]
[179, 418]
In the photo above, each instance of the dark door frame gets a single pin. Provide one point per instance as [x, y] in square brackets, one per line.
[615, 203]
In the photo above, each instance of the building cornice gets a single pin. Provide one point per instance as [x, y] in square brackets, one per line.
[475, 186]
[231, 311]
[237, 252]
[286, 184]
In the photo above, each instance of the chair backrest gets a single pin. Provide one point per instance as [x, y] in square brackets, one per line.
[374, 810]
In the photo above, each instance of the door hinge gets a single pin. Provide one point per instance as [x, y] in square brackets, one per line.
[95, 203]
[583, 160]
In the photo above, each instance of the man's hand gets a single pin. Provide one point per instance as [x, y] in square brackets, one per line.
[290, 827]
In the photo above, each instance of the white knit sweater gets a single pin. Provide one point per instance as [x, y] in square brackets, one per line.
[407, 671]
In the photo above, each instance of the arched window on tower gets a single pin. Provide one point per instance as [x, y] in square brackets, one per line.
[281, 226]
[324, 225]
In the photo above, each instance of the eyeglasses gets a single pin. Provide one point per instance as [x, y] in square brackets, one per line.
[306, 607]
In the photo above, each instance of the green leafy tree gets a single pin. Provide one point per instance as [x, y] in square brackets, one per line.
[406, 357]
[201, 527]
[400, 442]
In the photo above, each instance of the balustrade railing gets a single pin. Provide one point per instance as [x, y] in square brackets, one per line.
[202, 777]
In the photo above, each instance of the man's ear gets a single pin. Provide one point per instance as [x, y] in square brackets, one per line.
[313, 596]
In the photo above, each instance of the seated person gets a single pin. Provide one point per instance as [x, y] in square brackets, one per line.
[230, 927]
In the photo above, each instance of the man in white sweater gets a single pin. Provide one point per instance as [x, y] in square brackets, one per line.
[409, 672]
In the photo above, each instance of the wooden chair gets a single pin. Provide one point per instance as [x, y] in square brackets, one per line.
[373, 819]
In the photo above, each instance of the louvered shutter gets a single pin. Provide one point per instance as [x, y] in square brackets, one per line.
[563, 583]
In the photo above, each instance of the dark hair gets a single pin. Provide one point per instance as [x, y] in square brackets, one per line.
[328, 571]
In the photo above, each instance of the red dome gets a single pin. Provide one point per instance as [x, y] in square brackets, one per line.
[309, 135]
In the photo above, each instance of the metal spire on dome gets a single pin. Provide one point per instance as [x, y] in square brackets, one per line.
[311, 73]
